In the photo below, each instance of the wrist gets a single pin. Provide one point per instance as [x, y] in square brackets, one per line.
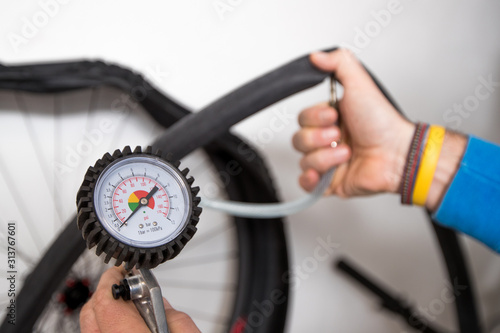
[398, 163]
[422, 181]
[454, 145]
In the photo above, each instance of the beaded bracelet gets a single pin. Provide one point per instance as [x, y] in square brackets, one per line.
[412, 162]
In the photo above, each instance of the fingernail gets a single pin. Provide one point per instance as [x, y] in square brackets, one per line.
[306, 181]
[329, 133]
[340, 152]
[321, 56]
[326, 116]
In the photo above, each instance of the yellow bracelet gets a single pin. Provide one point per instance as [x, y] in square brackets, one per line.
[428, 164]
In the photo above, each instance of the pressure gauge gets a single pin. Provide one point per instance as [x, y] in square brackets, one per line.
[137, 208]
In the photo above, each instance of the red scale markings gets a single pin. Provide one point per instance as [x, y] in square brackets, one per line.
[116, 195]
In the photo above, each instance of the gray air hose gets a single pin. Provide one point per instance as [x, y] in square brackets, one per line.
[270, 210]
[273, 210]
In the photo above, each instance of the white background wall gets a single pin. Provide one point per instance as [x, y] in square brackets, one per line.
[430, 55]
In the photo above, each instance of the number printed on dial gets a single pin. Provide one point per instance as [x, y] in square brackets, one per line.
[142, 201]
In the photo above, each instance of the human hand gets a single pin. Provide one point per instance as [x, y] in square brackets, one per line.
[103, 314]
[375, 137]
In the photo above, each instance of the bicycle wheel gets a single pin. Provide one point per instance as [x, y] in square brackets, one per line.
[266, 263]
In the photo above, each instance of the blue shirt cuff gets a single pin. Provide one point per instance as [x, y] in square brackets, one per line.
[472, 201]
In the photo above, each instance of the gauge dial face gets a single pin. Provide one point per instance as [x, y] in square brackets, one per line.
[142, 201]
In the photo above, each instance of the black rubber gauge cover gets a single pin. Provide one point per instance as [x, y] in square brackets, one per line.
[96, 235]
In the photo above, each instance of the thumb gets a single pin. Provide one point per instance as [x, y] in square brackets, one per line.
[348, 70]
[179, 322]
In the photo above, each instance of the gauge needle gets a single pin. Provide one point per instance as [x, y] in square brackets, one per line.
[143, 202]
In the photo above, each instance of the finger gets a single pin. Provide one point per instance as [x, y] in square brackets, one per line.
[112, 315]
[88, 322]
[348, 70]
[325, 158]
[309, 179]
[110, 277]
[309, 139]
[179, 321]
[319, 115]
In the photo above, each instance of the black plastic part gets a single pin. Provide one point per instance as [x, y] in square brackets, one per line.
[117, 290]
[76, 295]
[95, 234]
[388, 301]
[463, 289]
[121, 290]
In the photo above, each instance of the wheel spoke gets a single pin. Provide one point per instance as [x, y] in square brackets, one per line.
[28, 260]
[21, 206]
[94, 97]
[203, 285]
[35, 142]
[208, 237]
[208, 317]
[203, 260]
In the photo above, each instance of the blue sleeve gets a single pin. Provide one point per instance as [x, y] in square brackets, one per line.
[472, 202]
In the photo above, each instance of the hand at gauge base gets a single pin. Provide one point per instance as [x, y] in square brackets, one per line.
[103, 314]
